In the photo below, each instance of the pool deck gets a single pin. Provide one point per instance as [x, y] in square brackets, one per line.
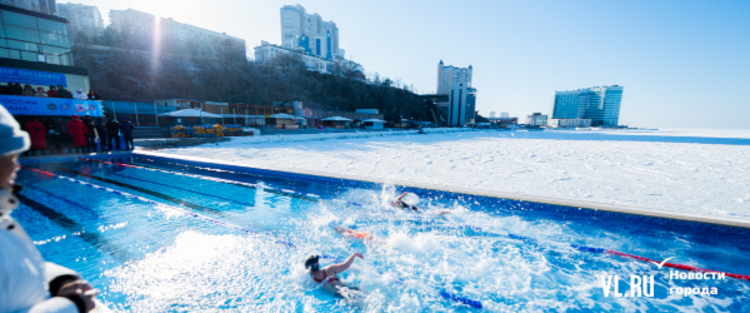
[665, 214]
[75, 155]
[737, 222]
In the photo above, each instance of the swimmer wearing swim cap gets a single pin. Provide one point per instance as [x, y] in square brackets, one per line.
[399, 203]
[328, 275]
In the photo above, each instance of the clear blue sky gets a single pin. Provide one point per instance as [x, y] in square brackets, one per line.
[684, 64]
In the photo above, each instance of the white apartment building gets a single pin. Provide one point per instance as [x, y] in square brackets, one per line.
[41, 6]
[448, 74]
[308, 32]
[84, 19]
[266, 52]
[182, 39]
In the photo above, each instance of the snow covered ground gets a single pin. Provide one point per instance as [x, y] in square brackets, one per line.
[698, 171]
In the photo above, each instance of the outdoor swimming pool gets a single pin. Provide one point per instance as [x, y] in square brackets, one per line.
[510, 256]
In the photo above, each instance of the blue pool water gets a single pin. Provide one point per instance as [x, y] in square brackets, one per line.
[147, 257]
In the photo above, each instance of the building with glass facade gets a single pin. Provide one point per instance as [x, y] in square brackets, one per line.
[461, 104]
[41, 6]
[309, 32]
[34, 37]
[537, 119]
[600, 104]
[35, 50]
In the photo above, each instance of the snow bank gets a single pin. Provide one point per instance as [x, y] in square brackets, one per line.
[446, 130]
[308, 137]
[696, 171]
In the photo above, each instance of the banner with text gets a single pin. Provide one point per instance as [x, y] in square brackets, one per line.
[20, 105]
[16, 75]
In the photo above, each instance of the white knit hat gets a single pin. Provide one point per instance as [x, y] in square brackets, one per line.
[12, 138]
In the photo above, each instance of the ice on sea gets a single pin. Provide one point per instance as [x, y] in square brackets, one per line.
[689, 170]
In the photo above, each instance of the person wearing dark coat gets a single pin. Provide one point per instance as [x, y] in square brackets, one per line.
[78, 132]
[113, 133]
[126, 128]
[17, 90]
[101, 130]
[93, 95]
[50, 124]
[6, 89]
[91, 137]
[38, 134]
[64, 93]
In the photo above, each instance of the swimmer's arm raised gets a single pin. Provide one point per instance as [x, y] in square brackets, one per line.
[402, 196]
[338, 268]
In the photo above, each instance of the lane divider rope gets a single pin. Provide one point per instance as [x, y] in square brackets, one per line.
[684, 267]
[443, 293]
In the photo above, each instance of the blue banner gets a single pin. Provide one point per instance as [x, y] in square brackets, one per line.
[126, 107]
[30, 77]
[21, 105]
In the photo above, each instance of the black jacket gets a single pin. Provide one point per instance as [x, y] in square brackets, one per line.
[89, 122]
[113, 127]
[64, 93]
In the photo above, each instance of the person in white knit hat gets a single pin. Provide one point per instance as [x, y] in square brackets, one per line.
[27, 282]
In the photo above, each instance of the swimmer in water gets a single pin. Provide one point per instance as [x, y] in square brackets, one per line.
[347, 232]
[399, 203]
[328, 275]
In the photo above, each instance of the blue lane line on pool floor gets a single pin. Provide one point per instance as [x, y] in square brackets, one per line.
[509, 235]
[443, 293]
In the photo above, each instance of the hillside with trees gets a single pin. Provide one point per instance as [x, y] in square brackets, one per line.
[121, 68]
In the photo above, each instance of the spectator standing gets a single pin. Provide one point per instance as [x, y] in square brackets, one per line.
[100, 129]
[40, 92]
[52, 92]
[28, 91]
[113, 133]
[78, 132]
[126, 128]
[93, 96]
[38, 133]
[6, 89]
[49, 123]
[92, 136]
[64, 93]
[80, 95]
[17, 90]
[29, 284]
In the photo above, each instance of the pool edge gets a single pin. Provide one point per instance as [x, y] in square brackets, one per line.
[734, 222]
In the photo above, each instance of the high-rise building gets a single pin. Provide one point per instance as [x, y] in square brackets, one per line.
[600, 104]
[448, 74]
[492, 114]
[504, 115]
[308, 32]
[461, 104]
[41, 6]
[83, 19]
[144, 30]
